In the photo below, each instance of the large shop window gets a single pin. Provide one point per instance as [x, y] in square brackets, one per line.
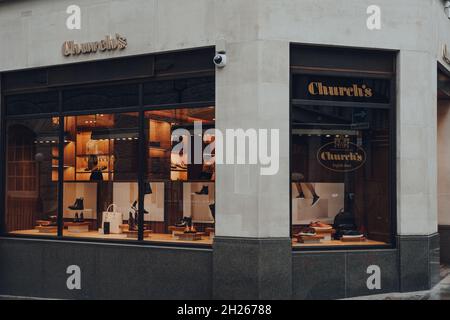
[128, 168]
[189, 200]
[341, 160]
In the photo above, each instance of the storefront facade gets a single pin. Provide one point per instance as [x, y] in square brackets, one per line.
[88, 119]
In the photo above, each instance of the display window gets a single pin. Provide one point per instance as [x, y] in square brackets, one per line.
[108, 153]
[181, 199]
[342, 150]
[340, 176]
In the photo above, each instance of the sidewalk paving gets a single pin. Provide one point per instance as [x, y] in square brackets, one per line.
[440, 292]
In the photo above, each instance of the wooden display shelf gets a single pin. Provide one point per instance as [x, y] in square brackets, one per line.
[155, 237]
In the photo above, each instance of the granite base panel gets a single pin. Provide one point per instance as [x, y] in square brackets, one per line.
[444, 233]
[327, 275]
[35, 268]
[252, 269]
[235, 268]
[419, 262]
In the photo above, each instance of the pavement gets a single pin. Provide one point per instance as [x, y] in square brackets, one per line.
[440, 292]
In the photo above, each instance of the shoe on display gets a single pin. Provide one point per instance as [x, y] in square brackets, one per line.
[204, 191]
[315, 201]
[78, 205]
[301, 196]
[76, 219]
[81, 217]
[131, 224]
[181, 224]
[135, 209]
[212, 208]
[320, 225]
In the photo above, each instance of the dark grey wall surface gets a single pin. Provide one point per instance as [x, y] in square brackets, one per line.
[252, 268]
[419, 258]
[444, 232]
[38, 269]
[234, 269]
[335, 275]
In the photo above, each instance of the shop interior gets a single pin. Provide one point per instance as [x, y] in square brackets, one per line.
[101, 176]
[340, 176]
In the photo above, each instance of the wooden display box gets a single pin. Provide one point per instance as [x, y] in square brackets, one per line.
[77, 227]
[189, 236]
[309, 239]
[47, 229]
[327, 234]
[175, 230]
[134, 234]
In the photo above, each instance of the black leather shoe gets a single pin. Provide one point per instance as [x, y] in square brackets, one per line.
[76, 219]
[204, 191]
[212, 207]
[78, 205]
[181, 224]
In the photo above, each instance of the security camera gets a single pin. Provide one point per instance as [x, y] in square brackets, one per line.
[447, 8]
[220, 60]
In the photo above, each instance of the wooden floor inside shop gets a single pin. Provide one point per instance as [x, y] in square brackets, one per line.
[337, 243]
[156, 237]
[205, 240]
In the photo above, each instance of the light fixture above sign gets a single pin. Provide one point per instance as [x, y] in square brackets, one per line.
[108, 44]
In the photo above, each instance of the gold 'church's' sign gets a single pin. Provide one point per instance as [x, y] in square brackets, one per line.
[71, 48]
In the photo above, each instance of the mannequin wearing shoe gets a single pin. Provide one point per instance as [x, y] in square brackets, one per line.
[299, 178]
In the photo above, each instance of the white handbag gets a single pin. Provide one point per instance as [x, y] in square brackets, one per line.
[114, 218]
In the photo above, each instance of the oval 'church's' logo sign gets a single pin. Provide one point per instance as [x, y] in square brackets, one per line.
[341, 155]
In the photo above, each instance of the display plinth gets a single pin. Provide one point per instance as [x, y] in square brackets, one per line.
[327, 234]
[47, 229]
[309, 239]
[134, 234]
[189, 236]
[175, 230]
[77, 227]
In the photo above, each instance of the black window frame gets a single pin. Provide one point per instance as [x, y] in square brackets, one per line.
[140, 108]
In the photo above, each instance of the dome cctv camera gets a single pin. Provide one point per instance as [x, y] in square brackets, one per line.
[220, 60]
[447, 8]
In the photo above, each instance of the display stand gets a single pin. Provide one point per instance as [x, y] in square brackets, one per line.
[176, 230]
[134, 234]
[327, 234]
[47, 229]
[189, 236]
[77, 227]
[309, 239]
